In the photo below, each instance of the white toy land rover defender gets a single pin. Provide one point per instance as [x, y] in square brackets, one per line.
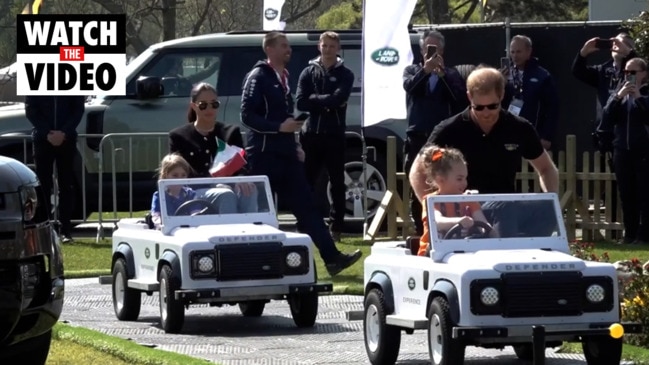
[200, 256]
[518, 286]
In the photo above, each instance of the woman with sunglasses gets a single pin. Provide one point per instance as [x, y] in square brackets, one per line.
[627, 114]
[196, 142]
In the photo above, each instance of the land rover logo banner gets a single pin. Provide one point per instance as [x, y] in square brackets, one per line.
[386, 52]
[272, 11]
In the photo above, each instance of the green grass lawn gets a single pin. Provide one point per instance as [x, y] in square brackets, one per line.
[76, 345]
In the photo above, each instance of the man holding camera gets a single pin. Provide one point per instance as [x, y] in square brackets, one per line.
[323, 90]
[604, 77]
[434, 92]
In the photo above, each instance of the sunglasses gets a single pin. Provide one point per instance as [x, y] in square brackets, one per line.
[493, 106]
[631, 72]
[203, 105]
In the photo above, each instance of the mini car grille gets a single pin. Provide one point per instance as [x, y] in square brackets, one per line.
[542, 294]
[249, 261]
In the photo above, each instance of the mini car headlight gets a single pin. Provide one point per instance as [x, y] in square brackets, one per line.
[489, 296]
[595, 293]
[205, 264]
[293, 260]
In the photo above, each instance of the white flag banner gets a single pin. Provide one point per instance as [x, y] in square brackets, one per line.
[272, 12]
[386, 53]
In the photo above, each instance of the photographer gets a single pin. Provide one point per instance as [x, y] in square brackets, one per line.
[627, 115]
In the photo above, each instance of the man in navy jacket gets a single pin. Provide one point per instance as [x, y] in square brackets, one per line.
[267, 110]
[323, 90]
[531, 92]
[55, 120]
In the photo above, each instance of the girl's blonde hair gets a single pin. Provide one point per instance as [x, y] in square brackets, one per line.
[439, 161]
[170, 162]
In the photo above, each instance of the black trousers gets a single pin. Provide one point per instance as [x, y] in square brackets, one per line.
[327, 151]
[45, 155]
[413, 144]
[632, 174]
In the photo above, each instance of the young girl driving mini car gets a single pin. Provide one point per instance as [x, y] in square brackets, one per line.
[446, 174]
[174, 166]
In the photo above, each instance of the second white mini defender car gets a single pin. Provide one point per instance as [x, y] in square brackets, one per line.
[509, 282]
[200, 255]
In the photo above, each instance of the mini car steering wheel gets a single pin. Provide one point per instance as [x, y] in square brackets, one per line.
[479, 229]
[204, 207]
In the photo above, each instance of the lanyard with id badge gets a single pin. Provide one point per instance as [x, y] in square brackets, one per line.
[516, 104]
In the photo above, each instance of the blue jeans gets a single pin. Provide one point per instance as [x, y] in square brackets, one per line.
[288, 179]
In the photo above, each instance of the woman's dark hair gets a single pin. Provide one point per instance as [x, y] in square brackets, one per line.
[197, 90]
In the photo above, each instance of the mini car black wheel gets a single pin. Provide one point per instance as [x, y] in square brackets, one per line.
[172, 312]
[524, 351]
[253, 308]
[602, 350]
[443, 349]
[126, 301]
[304, 308]
[382, 341]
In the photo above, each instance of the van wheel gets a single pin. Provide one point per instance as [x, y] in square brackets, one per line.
[443, 349]
[304, 309]
[172, 312]
[602, 350]
[355, 186]
[382, 341]
[524, 351]
[253, 308]
[126, 301]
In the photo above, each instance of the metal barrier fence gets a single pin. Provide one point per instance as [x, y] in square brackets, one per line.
[100, 154]
[114, 154]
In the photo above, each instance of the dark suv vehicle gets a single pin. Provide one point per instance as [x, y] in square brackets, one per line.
[31, 267]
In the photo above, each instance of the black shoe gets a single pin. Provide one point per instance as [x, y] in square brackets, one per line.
[342, 262]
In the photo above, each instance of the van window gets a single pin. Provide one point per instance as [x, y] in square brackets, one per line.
[353, 61]
[179, 71]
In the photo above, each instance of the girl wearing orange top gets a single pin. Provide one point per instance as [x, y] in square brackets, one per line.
[446, 174]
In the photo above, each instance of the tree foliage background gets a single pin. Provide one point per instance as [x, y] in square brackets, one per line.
[152, 21]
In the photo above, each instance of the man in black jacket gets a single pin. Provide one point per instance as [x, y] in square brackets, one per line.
[323, 90]
[267, 110]
[604, 77]
[434, 92]
[55, 120]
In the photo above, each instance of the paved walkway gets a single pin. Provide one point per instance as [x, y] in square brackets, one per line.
[223, 335]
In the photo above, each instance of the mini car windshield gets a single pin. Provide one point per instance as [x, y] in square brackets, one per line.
[201, 201]
[501, 220]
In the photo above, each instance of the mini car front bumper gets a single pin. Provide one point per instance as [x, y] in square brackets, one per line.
[506, 333]
[249, 293]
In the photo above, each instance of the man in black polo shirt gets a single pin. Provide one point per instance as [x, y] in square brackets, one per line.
[492, 140]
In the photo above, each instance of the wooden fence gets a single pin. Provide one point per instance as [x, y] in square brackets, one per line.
[586, 196]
